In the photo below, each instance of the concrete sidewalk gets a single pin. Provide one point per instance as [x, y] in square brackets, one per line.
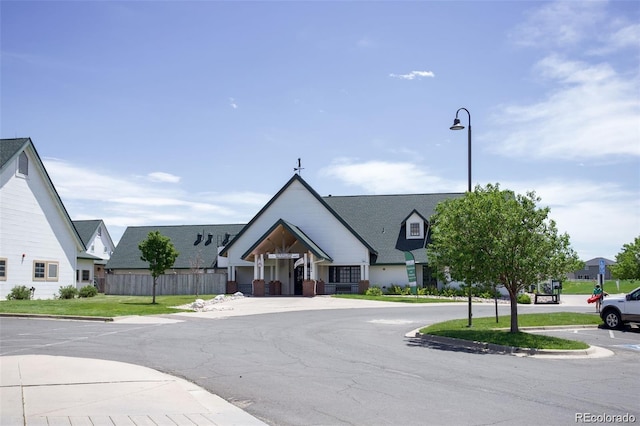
[53, 390]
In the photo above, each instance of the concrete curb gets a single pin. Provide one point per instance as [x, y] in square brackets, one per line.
[49, 316]
[590, 352]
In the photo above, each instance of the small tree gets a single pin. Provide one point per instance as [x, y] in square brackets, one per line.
[161, 254]
[627, 265]
[196, 264]
[494, 236]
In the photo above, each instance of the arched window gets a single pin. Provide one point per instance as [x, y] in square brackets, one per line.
[23, 164]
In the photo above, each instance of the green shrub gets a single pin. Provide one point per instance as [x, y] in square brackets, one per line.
[68, 292]
[88, 291]
[394, 289]
[428, 291]
[524, 299]
[373, 291]
[19, 292]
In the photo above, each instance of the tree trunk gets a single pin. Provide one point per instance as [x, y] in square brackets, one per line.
[155, 281]
[514, 311]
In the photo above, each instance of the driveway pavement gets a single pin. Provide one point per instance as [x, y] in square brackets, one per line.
[54, 390]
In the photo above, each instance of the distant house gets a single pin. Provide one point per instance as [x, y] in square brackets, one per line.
[197, 270]
[301, 243]
[592, 269]
[100, 246]
[39, 245]
[198, 246]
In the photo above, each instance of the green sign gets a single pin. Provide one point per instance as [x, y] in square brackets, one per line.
[411, 271]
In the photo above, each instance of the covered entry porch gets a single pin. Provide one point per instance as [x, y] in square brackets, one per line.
[286, 262]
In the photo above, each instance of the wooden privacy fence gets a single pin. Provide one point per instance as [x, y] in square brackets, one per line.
[171, 284]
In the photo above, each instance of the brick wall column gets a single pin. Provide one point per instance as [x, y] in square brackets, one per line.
[309, 288]
[232, 287]
[258, 288]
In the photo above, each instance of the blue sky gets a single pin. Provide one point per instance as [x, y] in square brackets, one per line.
[158, 113]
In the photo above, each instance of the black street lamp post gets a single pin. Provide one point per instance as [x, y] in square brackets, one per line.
[458, 126]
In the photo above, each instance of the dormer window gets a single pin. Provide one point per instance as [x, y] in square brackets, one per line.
[414, 226]
[23, 164]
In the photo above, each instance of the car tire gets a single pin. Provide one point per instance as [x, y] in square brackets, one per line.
[612, 319]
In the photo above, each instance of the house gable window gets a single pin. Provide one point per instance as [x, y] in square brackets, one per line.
[3, 269]
[23, 164]
[414, 226]
[415, 230]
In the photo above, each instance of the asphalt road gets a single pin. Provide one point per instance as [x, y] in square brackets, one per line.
[356, 367]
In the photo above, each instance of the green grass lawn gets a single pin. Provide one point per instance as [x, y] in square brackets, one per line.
[401, 299]
[100, 305]
[586, 287]
[487, 330]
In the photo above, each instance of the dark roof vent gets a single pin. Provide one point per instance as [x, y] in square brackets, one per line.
[226, 238]
[209, 237]
[198, 239]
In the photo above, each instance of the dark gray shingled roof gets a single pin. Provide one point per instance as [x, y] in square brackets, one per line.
[376, 220]
[379, 220]
[86, 229]
[184, 238]
[10, 147]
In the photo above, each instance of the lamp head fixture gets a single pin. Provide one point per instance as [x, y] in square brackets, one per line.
[456, 125]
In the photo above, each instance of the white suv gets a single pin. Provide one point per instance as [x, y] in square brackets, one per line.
[616, 311]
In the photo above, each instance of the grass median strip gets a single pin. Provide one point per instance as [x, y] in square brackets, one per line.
[400, 299]
[488, 331]
[101, 305]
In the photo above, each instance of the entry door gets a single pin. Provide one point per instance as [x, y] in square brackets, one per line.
[298, 277]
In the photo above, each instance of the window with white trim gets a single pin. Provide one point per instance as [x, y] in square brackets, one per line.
[45, 271]
[414, 230]
[86, 275]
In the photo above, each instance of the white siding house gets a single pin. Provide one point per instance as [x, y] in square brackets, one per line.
[91, 263]
[39, 245]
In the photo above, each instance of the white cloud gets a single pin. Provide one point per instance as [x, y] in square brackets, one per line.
[232, 103]
[384, 177]
[592, 112]
[413, 75]
[599, 217]
[560, 24]
[628, 36]
[139, 201]
[163, 177]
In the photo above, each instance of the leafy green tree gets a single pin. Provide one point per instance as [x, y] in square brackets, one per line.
[627, 265]
[161, 254]
[496, 236]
